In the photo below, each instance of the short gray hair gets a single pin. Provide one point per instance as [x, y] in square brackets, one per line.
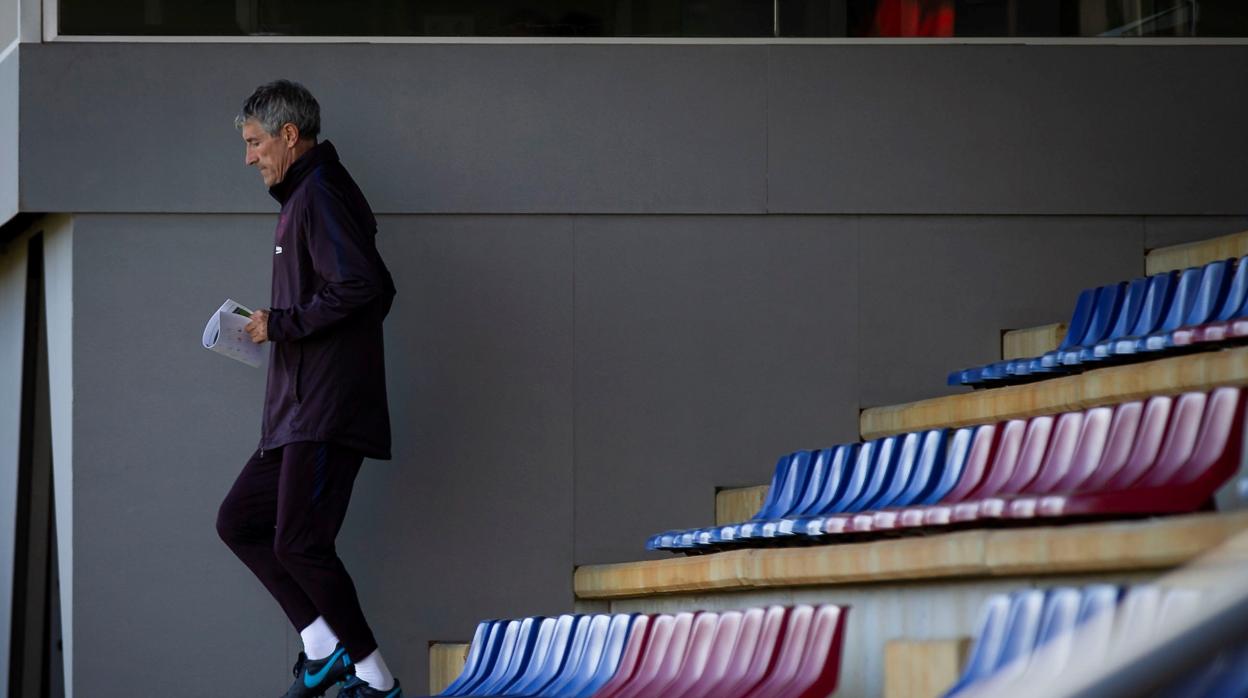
[282, 102]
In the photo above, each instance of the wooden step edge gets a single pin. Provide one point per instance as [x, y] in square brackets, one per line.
[1119, 546]
[1103, 386]
[446, 661]
[923, 668]
[1032, 341]
[1195, 254]
[733, 504]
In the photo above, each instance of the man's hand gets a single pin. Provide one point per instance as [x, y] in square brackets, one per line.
[258, 328]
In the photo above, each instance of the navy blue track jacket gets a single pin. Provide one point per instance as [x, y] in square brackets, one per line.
[331, 292]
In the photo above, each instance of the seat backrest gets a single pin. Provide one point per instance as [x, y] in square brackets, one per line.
[596, 673]
[836, 480]
[582, 659]
[1129, 309]
[858, 475]
[982, 451]
[516, 659]
[1008, 451]
[882, 473]
[703, 669]
[655, 651]
[552, 659]
[634, 649]
[783, 466]
[582, 629]
[1097, 609]
[1148, 439]
[1180, 443]
[504, 657]
[1069, 452]
[489, 658]
[1108, 299]
[1217, 444]
[687, 666]
[542, 637]
[751, 660]
[473, 660]
[1078, 324]
[1088, 453]
[1040, 432]
[905, 471]
[989, 638]
[787, 659]
[1156, 301]
[929, 466]
[1137, 615]
[820, 667]
[792, 484]
[1236, 304]
[1118, 443]
[1182, 300]
[730, 655]
[1022, 630]
[957, 450]
[1214, 284]
[1055, 635]
[820, 468]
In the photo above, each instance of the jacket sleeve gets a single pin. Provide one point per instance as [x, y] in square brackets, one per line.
[343, 256]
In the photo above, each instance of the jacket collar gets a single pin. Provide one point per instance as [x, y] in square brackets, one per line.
[320, 153]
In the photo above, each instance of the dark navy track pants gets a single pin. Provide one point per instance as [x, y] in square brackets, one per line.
[281, 518]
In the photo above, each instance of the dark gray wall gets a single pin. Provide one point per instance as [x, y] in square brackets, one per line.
[657, 129]
[562, 386]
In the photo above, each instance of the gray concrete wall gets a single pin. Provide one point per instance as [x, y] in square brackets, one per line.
[9, 90]
[1009, 130]
[13, 264]
[562, 386]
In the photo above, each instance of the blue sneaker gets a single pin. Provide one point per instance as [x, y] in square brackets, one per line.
[314, 676]
[359, 688]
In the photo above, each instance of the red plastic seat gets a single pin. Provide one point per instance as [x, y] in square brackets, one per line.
[787, 659]
[707, 667]
[687, 663]
[751, 661]
[729, 643]
[819, 668]
[667, 646]
[1008, 450]
[1048, 440]
[1201, 451]
[1115, 448]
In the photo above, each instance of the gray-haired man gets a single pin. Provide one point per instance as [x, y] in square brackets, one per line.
[325, 403]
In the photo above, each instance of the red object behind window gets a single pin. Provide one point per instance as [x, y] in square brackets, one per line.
[913, 18]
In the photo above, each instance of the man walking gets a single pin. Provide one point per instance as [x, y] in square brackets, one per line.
[325, 406]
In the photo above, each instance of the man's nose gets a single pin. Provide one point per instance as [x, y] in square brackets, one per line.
[250, 158]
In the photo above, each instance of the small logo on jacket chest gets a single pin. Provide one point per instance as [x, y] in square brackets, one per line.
[277, 250]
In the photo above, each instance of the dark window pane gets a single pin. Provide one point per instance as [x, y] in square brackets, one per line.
[1008, 18]
[643, 18]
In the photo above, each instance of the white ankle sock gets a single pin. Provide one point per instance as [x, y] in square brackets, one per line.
[374, 671]
[319, 639]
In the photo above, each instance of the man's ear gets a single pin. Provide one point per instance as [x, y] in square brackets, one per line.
[290, 134]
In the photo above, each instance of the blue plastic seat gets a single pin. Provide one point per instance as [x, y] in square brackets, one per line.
[791, 492]
[543, 636]
[1215, 285]
[920, 452]
[1108, 301]
[882, 472]
[1128, 314]
[820, 470]
[1075, 330]
[1236, 303]
[836, 482]
[989, 639]
[545, 665]
[1147, 318]
[596, 674]
[855, 482]
[513, 656]
[586, 649]
[475, 658]
[499, 636]
[1180, 304]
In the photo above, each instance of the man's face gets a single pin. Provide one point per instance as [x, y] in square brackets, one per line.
[269, 153]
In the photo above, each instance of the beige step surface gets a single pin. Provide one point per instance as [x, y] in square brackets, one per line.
[1195, 254]
[1102, 386]
[923, 668]
[1032, 341]
[446, 661]
[733, 504]
[1147, 544]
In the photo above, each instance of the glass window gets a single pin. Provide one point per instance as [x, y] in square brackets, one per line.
[659, 18]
